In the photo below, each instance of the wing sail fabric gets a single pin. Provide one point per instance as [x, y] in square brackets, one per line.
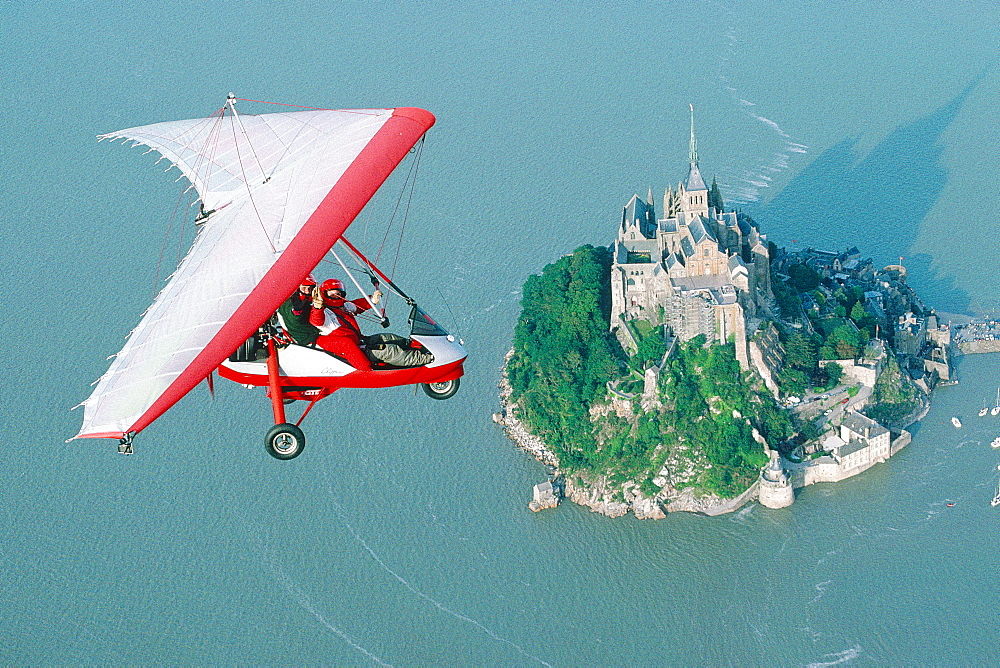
[282, 194]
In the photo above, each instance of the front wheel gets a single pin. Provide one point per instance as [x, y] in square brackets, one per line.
[284, 441]
[445, 389]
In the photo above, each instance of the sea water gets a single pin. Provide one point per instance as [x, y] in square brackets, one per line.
[401, 535]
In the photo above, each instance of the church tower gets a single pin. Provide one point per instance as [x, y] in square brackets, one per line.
[694, 194]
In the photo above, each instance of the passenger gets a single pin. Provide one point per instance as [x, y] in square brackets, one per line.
[294, 313]
[346, 338]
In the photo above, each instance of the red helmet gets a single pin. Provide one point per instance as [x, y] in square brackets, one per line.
[333, 284]
[308, 280]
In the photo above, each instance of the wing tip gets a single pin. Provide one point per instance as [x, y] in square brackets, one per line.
[416, 114]
[106, 434]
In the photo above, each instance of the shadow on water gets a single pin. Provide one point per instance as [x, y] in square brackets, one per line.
[876, 203]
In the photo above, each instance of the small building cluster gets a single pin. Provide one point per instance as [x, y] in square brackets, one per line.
[922, 341]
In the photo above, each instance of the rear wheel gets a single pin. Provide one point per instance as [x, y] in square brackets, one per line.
[284, 441]
[445, 389]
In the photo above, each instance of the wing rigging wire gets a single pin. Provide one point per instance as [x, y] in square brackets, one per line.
[367, 265]
[216, 128]
[232, 106]
[411, 177]
[253, 203]
[406, 212]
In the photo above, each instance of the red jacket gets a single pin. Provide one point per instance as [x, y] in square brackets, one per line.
[342, 310]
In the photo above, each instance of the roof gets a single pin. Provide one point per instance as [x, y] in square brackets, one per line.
[637, 212]
[832, 442]
[707, 282]
[686, 247]
[694, 180]
[699, 232]
[851, 448]
[865, 426]
[668, 224]
[728, 217]
[643, 245]
[736, 264]
[725, 295]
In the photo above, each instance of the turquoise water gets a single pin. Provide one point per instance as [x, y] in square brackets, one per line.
[401, 536]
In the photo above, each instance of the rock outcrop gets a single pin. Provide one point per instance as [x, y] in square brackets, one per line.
[599, 494]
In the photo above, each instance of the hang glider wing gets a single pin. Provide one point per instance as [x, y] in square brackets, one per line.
[279, 190]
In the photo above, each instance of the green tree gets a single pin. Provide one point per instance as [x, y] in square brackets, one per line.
[563, 354]
[858, 312]
[894, 396]
[803, 278]
[800, 351]
[714, 196]
[834, 372]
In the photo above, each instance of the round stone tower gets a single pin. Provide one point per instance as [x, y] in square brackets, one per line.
[775, 487]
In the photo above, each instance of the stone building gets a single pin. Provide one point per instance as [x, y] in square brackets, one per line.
[861, 443]
[910, 334]
[695, 270]
[544, 495]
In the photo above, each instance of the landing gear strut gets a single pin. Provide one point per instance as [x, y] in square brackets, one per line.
[283, 440]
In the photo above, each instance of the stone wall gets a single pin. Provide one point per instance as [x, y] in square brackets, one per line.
[625, 338]
[860, 373]
[823, 469]
[900, 442]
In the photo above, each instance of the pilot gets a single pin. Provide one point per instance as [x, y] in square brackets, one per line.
[339, 331]
[294, 313]
[346, 338]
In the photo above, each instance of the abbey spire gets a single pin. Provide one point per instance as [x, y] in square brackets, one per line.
[694, 200]
[693, 146]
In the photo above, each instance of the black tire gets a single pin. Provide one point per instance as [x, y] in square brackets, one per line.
[284, 441]
[446, 389]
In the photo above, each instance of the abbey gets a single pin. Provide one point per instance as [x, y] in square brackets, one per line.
[697, 270]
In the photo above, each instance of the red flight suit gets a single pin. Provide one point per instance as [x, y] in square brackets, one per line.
[345, 340]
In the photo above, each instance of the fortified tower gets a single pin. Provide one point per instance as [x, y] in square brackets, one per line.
[775, 490]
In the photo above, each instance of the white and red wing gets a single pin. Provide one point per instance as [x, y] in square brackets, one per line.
[283, 188]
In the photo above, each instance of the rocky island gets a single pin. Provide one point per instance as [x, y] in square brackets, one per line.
[693, 365]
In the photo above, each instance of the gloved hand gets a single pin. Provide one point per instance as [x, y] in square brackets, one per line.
[317, 297]
[376, 297]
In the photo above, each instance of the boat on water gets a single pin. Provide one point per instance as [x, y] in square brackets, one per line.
[995, 443]
[958, 423]
[996, 409]
[984, 410]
